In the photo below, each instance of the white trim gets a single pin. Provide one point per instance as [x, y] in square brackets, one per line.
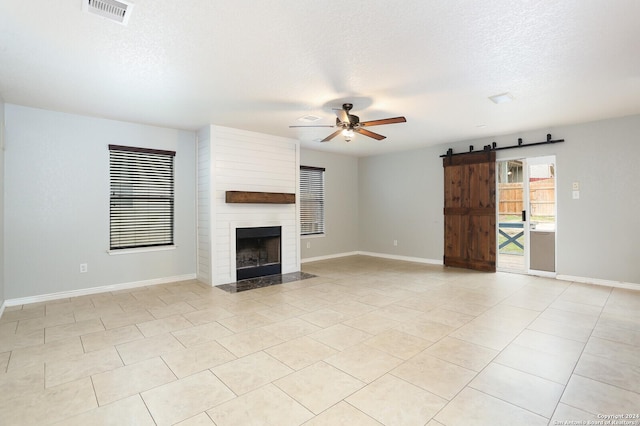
[404, 258]
[95, 290]
[598, 281]
[140, 250]
[329, 256]
[311, 236]
[560, 277]
[512, 271]
[2, 308]
[297, 207]
[381, 255]
[544, 274]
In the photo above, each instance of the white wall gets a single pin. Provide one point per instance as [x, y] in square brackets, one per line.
[401, 197]
[341, 205]
[204, 206]
[247, 161]
[2, 263]
[57, 203]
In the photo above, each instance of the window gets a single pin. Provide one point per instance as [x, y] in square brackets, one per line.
[311, 200]
[142, 197]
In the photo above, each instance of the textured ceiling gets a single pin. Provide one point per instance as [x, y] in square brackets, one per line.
[261, 65]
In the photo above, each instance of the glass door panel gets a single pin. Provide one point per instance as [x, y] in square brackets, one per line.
[511, 221]
[541, 175]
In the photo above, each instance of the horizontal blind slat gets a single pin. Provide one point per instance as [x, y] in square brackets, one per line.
[142, 197]
[311, 200]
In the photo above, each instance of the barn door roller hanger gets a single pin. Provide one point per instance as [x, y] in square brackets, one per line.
[494, 146]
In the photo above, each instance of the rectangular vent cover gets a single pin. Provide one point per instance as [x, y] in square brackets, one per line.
[309, 118]
[118, 11]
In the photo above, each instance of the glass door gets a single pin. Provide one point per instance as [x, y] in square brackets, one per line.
[511, 242]
[526, 216]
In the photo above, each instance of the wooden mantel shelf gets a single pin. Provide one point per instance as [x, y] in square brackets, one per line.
[260, 197]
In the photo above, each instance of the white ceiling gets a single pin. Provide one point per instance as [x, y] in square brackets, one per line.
[260, 65]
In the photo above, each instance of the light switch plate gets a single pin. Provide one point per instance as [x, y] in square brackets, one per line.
[576, 195]
[576, 186]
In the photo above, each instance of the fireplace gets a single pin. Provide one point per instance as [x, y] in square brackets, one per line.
[258, 252]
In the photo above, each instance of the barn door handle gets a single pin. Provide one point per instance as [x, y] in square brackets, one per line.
[524, 215]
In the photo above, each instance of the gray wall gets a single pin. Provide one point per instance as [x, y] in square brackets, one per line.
[57, 203]
[54, 196]
[341, 205]
[401, 197]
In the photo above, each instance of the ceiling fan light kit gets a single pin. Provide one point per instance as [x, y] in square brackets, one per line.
[349, 124]
[348, 134]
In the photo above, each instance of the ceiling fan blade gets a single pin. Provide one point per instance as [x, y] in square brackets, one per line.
[384, 121]
[313, 125]
[370, 134]
[331, 136]
[342, 115]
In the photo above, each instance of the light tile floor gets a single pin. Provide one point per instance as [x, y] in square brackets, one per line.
[367, 342]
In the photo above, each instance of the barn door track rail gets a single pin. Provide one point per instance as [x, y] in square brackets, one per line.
[494, 146]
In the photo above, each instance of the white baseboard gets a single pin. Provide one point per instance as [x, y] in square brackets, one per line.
[585, 280]
[372, 254]
[328, 257]
[598, 281]
[2, 308]
[94, 290]
[166, 280]
[404, 258]
[543, 274]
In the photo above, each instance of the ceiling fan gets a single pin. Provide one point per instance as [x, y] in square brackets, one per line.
[349, 124]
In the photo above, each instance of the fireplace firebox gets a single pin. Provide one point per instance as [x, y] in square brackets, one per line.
[258, 252]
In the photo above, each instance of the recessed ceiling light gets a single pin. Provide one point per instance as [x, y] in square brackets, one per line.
[309, 118]
[501, 98]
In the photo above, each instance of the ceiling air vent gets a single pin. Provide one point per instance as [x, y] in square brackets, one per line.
[117, 11]
[309, 118]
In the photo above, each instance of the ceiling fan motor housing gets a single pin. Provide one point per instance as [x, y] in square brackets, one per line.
[354, 121]
[348, 124]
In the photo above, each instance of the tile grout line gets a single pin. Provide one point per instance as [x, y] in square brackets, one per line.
[357, 297]
[583, 347]
[493, 360]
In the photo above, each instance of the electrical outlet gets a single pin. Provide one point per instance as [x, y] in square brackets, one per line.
[84, 268]
[575, 186]
[395, 242]
[308, 244]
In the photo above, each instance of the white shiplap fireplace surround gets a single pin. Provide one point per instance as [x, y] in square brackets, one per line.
[239, 160]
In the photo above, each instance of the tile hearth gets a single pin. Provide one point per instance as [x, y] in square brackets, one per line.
[356, 340]
[266, 281]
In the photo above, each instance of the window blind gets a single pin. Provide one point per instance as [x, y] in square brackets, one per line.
[142, 197]
[311, 200]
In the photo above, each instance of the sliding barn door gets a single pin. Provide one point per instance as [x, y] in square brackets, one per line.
[470, 211]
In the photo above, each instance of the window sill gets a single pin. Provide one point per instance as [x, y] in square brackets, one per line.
[304, 237]
[140, 250]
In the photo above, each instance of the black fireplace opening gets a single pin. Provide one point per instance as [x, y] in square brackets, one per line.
[258, 252]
